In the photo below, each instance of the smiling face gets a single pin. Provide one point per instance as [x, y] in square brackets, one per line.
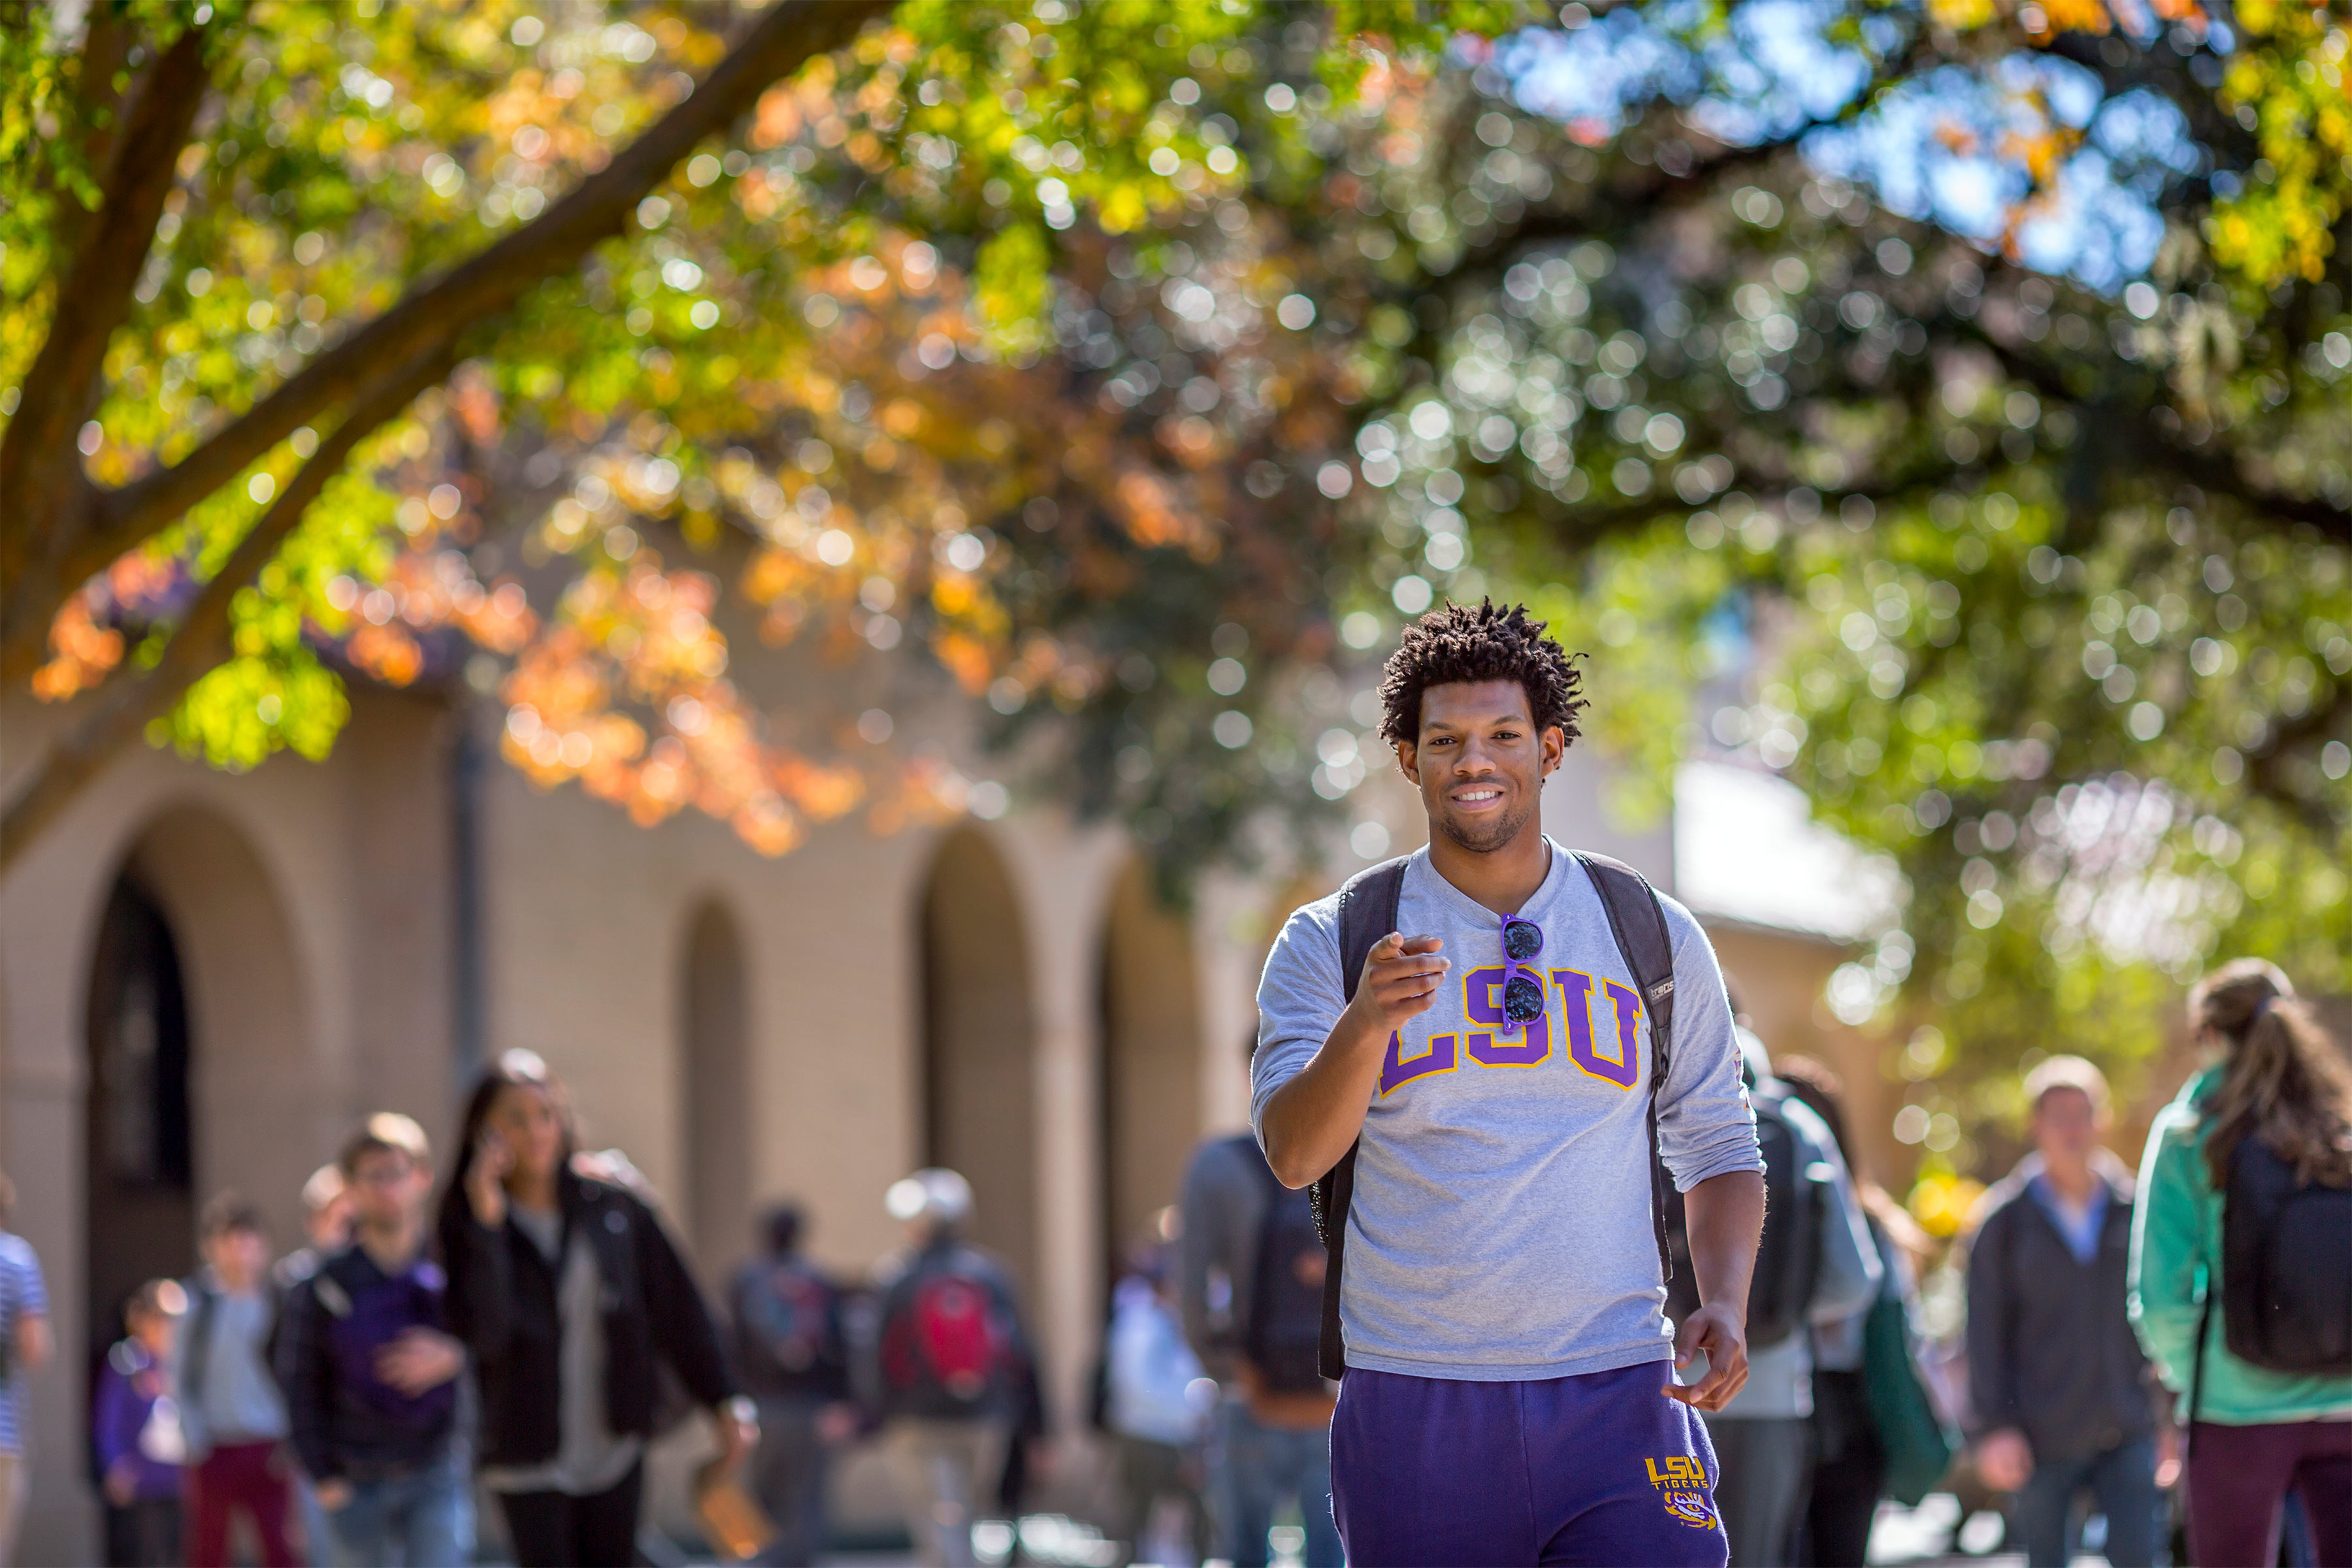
[1480, 761]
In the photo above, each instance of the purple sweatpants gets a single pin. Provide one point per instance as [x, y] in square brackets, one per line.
[1602, 1468]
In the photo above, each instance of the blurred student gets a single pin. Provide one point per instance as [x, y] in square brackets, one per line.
[371, 1386]
[952, 1354]
[326, 1230]
[568, 1292]
[2247, 1193]
[135, 1430]
[230, 1406]
[25, 1347]
[1157, 1407]
[2060, 1391]
[1250, 1283]
[327, 1220]
[1816, 1268]
[1876, 1429]
[789, 1347]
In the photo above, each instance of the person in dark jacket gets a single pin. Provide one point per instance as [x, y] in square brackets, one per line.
[370, 1369]
[789, 1343]
[568, 1290]
[2062, 1394]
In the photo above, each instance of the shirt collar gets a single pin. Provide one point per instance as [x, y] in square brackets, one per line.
[1467, 909]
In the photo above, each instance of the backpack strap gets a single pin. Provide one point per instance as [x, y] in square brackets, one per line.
[1638, 922]
[1368, 912]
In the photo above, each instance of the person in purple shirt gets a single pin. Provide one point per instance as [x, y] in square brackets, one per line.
[372, 1369]
[136, 1431]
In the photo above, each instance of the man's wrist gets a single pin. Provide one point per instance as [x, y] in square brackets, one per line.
[1359, 1031]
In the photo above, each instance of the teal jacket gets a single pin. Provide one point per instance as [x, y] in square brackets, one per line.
[2175, 1263]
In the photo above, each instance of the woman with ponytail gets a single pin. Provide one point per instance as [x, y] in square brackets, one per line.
[2237, 1247]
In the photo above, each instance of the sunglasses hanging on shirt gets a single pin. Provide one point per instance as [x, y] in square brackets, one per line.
[1523, 998]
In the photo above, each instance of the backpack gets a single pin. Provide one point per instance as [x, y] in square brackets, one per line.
[2286, 1267]
[1368, 912]
[1789, 1255]
[787, 1314]
[948, 1341]
[1282, 1331]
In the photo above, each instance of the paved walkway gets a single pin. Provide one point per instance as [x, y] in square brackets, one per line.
[1932, 1533]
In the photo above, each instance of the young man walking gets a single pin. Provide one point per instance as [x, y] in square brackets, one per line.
[793, 1360]
[230, 1408]
[953, 1357]
[1251, 1285]
[373, 1370]
[2064, 1401]
[1482, 1092]
[24, 1343]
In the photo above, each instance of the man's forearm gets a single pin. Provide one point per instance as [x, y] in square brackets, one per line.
[1724, 1218]
[1312, 1120]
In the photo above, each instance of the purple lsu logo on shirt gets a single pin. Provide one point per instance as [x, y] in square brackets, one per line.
[1491, 1046]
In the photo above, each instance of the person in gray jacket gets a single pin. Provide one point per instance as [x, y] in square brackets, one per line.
[1263, 1447]
[2062, 1394]
[1764, 1437]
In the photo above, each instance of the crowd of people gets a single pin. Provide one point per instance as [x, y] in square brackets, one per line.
[526, 1338]
[1418, 1304]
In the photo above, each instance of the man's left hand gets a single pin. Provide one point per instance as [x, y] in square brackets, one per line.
[419, 1360]
[1717, 1333]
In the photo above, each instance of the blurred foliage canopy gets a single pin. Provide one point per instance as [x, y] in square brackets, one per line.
[1941, 403]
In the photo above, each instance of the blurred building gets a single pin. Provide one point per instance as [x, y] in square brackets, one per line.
[205, 978]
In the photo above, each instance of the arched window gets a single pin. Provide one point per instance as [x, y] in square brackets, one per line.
[979, 1081]
[139, 1147]
[1151, 1069]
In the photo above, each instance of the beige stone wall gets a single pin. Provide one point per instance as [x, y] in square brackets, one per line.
[269, 881]
[311, 905]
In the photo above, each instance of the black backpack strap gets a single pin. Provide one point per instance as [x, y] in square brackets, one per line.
[1638, 922]
[1368, 912]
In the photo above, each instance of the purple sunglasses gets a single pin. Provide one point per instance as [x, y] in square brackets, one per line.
[1522, 991]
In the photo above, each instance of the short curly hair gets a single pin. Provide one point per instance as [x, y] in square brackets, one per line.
[1487, 642]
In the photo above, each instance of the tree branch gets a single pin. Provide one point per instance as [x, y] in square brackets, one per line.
[790, 33]
[105, 50]
[204, 637]
[2267, 761]
[2216, 473]
[42, 487]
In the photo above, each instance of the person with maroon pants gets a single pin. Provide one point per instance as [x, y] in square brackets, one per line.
[2223, 1311]
[230, 1408]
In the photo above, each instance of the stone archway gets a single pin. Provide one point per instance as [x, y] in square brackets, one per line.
[714, 1055]
[201, 1073]
[1152, 1070]
[978, 1079]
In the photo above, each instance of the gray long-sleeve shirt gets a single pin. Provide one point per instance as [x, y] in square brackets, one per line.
[1224, 1206]
[1501, 1229]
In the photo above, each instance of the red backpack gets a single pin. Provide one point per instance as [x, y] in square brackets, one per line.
[950, 1339]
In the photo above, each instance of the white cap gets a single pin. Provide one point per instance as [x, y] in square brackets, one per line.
[932, 1193]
